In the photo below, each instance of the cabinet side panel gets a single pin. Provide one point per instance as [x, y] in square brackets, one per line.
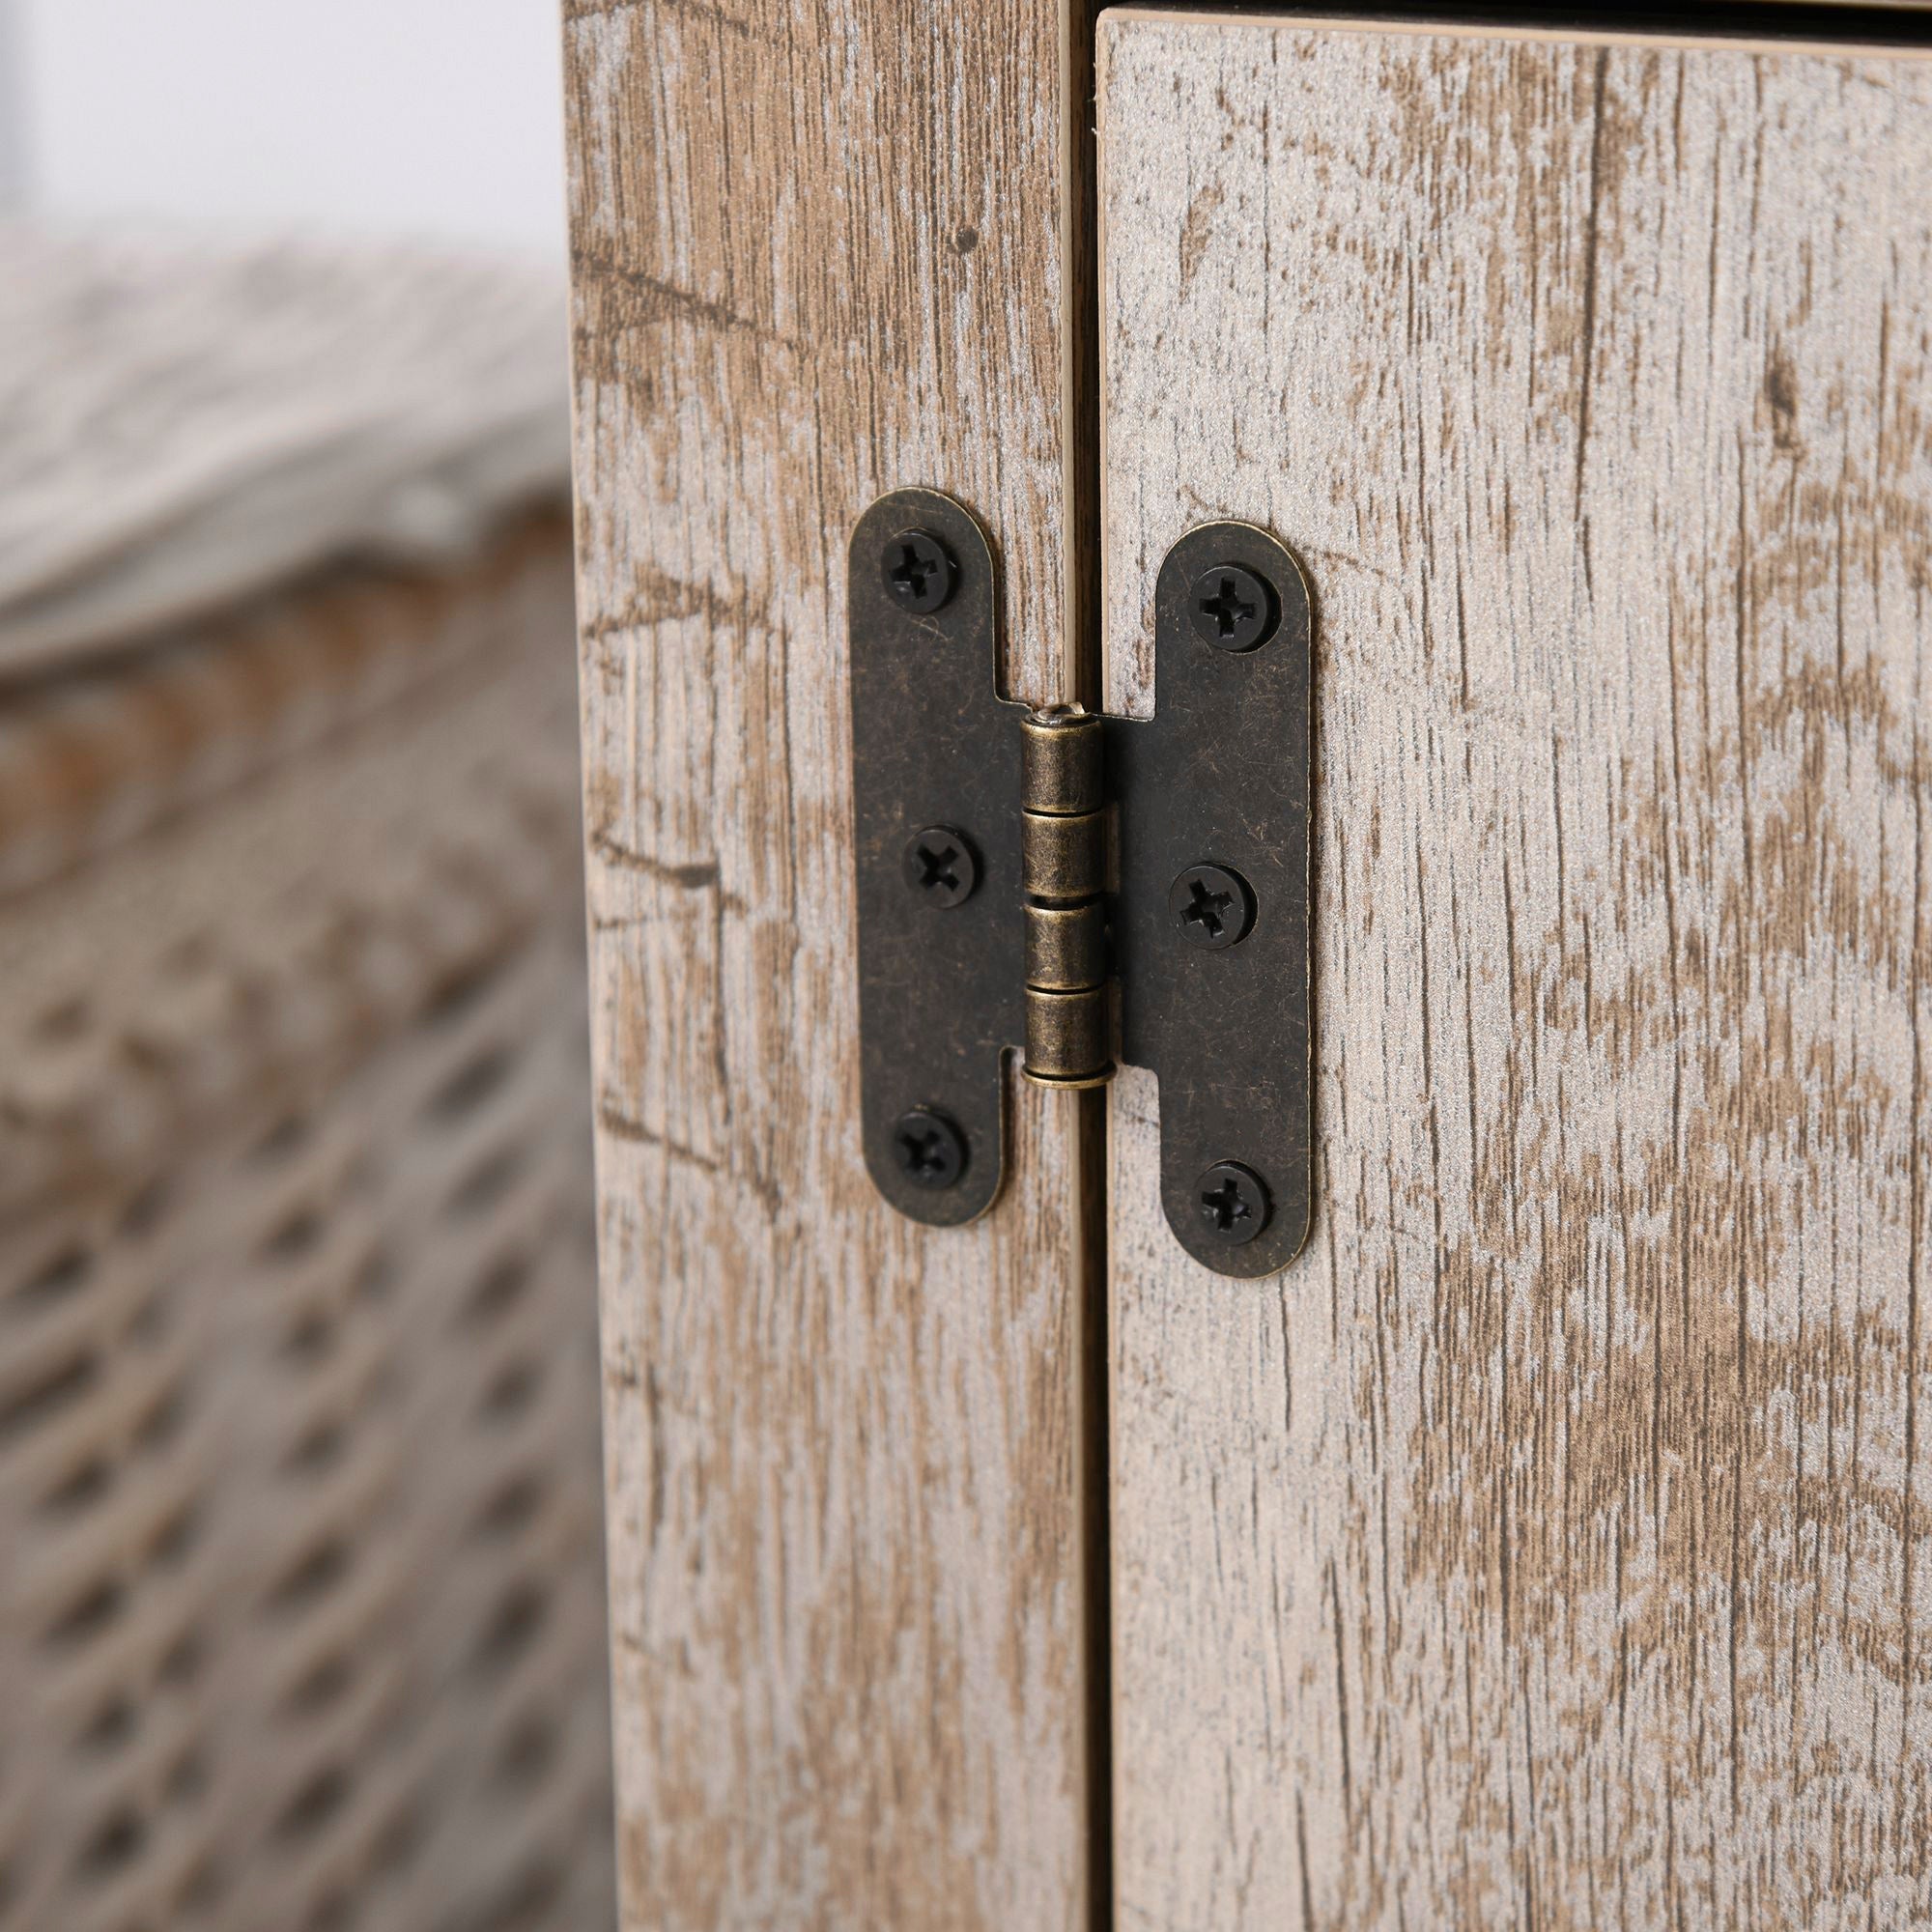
[1548, 1547]
[816, 257]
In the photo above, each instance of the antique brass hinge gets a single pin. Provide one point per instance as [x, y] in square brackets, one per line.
[1084, 889]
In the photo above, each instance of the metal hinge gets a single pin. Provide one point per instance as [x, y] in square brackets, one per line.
[1082, 887]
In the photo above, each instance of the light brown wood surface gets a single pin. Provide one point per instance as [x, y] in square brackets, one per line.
[1548, 1547]
[817, 254]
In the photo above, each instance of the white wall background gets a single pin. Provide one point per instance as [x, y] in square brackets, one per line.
[433, 118]
[12, 130]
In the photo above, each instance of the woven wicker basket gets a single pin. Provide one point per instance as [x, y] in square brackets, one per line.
[302, 1599]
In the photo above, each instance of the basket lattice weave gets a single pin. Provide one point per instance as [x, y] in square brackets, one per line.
[300, 1584]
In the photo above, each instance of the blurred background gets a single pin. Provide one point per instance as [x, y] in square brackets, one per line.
[302, 1599]
[429, 119]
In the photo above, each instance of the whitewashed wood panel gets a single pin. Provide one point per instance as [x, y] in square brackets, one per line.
[816, 254]
[1549, 1546]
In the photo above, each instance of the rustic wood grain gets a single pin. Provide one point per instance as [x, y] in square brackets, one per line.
[1548, 1547]
[816, 255]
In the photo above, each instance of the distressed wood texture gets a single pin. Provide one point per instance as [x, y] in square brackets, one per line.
[1548, 1547]
[816, 255]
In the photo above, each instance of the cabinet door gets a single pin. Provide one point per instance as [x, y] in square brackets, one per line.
[817, 255]
[1548, 1547]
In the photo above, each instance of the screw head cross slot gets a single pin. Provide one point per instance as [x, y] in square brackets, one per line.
[929, 1150]
[1212, 906]
[919, 572]
[1232, 608]
[1234, 1202]
[940, 866]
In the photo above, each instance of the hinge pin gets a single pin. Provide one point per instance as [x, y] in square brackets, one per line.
[1070, 1015]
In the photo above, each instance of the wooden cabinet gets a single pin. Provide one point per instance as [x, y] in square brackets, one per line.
[816, 253]
[1547, 1544]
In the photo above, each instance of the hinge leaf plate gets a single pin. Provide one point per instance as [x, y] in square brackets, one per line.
[1220, 774]
[940, 986]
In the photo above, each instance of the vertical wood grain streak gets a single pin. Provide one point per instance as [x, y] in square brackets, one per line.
[1548, 1547]
[816, 254]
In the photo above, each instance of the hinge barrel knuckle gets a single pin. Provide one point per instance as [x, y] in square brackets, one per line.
[1070, 1036]
[1063, 860]
[1061, 750]
[1065, 946]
